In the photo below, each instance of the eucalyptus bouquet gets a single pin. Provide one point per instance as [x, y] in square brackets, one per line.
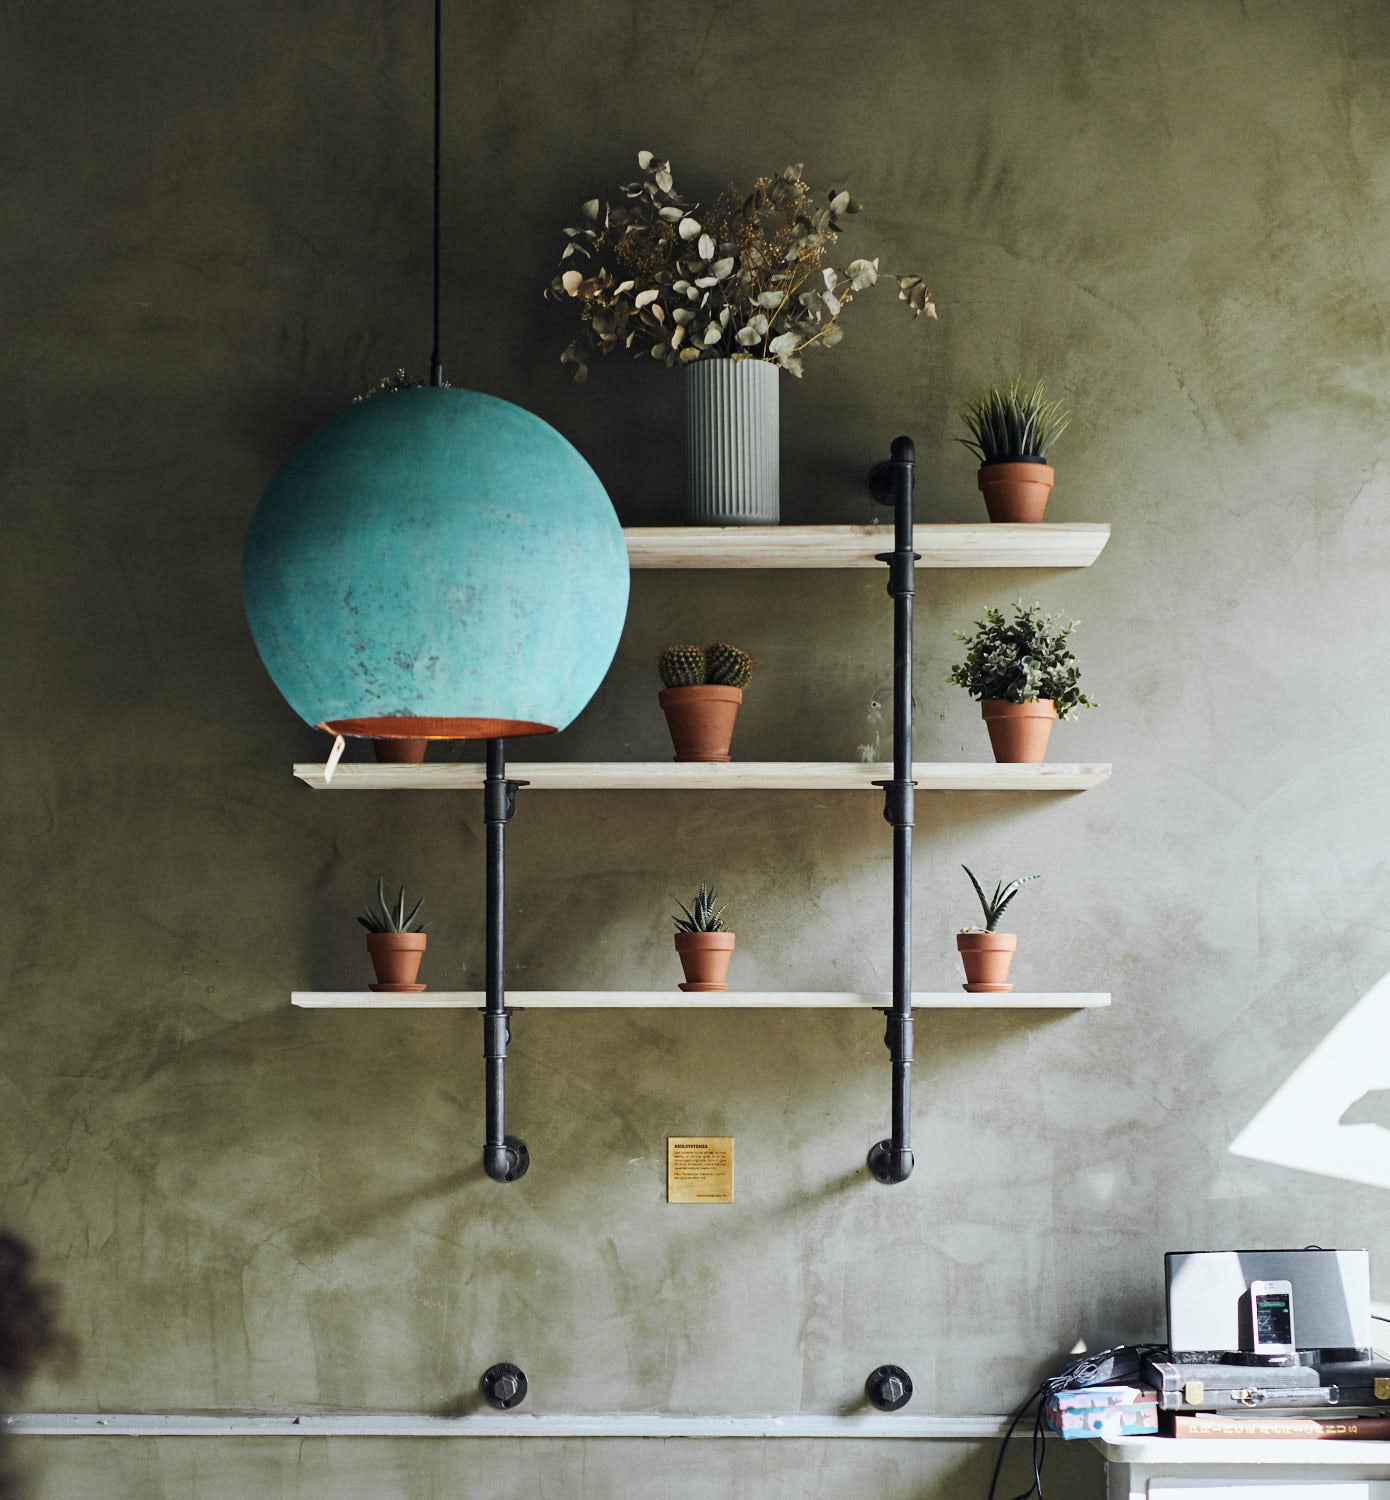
[748, 277]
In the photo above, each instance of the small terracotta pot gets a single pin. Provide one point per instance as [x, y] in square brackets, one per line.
[986, 956]
[396, 958]
[400, 752]
[1015, 489]
[705, 958]
[701, 719]
[1018, 731]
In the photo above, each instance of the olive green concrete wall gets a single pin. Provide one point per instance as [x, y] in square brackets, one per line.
[216, 231]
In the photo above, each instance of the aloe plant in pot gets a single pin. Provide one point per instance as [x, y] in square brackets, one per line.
[703, 690]
[1025, 676]
[1011, 431]
[986, 952]
[703, 942]
[396, 941]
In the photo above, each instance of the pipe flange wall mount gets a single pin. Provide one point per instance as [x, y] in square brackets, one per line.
[889, 1387]
[504, 1386]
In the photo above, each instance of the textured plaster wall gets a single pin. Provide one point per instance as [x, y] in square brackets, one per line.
[216, 231]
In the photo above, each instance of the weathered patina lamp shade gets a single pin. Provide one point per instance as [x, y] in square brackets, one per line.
[436, 564]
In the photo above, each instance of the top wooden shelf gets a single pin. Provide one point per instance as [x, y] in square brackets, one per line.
[959, 545]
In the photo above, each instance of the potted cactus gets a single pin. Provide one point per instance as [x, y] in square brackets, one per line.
[396, 942]
[703, 689]
[986, 952]
[703, 942]
[1010, 433]
[1025, 676]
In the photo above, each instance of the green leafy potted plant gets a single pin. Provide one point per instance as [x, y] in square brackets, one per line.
[703, 942]
[986, 952]
[1010, 433]
[703, 689]
[396, 942]
[1025, 676]
[736, 290]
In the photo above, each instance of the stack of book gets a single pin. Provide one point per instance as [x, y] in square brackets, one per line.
[1265, 1426]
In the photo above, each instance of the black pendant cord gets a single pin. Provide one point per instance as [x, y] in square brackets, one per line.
[436, 368]
[505, 1158]
[892, 484]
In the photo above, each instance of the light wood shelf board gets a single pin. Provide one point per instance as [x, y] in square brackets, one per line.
[668, 776]
[954, 545]
[674, 999]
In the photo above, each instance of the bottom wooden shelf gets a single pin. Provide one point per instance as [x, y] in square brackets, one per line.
[674, 999]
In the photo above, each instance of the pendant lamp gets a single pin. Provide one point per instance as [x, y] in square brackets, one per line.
[435, 563]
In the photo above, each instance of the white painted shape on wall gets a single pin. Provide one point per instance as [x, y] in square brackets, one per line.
[1327, 1117]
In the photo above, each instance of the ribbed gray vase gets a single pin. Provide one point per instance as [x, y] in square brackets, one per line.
[732, 469]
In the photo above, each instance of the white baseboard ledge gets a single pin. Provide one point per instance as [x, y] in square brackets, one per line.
[859, 1425]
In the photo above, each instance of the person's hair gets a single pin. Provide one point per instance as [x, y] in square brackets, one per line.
[31, 1335]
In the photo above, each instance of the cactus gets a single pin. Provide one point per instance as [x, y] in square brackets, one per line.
[682, 666]
[392, 919]
[727, 665]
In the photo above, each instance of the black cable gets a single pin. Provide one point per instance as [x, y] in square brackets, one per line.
[436, 368]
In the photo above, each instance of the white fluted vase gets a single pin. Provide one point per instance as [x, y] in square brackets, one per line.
[732, 458]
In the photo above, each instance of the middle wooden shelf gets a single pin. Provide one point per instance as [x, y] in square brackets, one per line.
[677, 1000]
[732, 776]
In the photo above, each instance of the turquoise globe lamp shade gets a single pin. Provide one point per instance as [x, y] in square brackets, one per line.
[435, 564]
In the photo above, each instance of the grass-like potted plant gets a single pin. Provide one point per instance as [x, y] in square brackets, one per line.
[396, 942]
[736, 291]
[1025, 676]
[703, 689]
[703, 942]
[985, 951]
[1010, 433]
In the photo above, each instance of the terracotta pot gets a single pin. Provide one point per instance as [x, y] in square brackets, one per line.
[701, 719]
[395, 752]
[1015, 489]
[1018, 731]
[986, 956]
[396, 958]
[705, 958]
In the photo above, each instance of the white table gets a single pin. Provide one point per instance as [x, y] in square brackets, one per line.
[1156, 1468]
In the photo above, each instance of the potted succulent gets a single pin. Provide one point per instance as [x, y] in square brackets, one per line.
[736, 291]
[396, 942]
[986, 952]
[703, 942]
[1025, 676]
[1010, 433]
[703, 689]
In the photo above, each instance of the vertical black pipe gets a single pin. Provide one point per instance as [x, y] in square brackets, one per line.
[892, 482]
[436, 367]
[505, 1158]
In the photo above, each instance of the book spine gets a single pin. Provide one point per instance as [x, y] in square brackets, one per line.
[1281, 1427]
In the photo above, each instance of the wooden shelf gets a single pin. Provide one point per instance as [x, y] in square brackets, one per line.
[674, 999]
[733, 776]
[974, 545]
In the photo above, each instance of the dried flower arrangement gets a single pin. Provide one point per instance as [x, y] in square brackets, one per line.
[746, 278]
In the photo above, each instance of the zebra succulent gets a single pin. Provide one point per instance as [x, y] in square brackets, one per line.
[702, 915]
[392, 918]
[994, 905]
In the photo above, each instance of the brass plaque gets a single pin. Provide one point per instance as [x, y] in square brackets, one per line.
[1193, 1392]
[1382, 1388]
[699, 1169]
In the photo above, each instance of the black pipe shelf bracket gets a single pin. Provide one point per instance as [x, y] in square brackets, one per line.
[891, 483]
[505, 1157]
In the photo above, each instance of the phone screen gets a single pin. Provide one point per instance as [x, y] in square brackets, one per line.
[1273, 1319]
